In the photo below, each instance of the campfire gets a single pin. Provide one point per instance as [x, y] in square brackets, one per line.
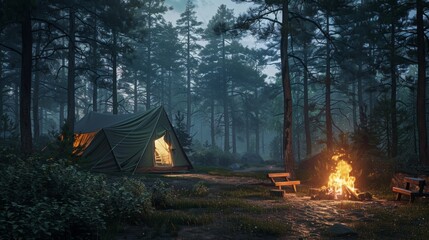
[341, 185]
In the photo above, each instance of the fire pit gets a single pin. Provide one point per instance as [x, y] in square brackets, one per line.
[341, 186]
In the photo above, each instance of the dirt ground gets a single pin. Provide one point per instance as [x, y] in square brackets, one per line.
[308, 219]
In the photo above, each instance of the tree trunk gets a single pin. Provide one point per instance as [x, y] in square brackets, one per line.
[36, 122]
[355, 123]
[421, 87]
[170, 100]
[394, 147]
[61, 102]
[257, 130]
[136, 83]
[225, 98]
[306, 107]
[25, 89]
[1, 84]
[188, 79]
[359, 89]
[247, 131]
[234, 132]
[94, 48]
[329, 135]
[149, 64]
[16, 101]
[71, 75]
[212, 124]
[287, 92]
[114, 74]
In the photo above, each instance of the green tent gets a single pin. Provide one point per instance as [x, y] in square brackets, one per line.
[141, 142]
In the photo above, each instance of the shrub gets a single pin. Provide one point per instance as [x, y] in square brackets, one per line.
[128, 199]
[45, 199]
[162, 196]
[213, 156]
[200, 189]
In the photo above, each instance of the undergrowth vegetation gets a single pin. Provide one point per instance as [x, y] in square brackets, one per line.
[54, 199]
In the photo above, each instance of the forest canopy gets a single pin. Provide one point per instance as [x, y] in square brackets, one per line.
[344, 68]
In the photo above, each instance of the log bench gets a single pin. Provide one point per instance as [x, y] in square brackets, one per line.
[283, 179]
[408, 192]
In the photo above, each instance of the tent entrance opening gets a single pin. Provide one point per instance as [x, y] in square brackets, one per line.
[162, 153]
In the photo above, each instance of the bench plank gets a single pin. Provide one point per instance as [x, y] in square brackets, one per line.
[402, 191]
[415, 181]
[276, 175]
[288, 183]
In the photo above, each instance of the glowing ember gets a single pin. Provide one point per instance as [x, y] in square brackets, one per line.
[341, 177]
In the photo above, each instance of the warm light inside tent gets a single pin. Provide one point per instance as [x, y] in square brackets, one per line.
[82, 141]
[162, 153]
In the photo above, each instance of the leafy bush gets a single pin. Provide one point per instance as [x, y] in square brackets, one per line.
[45, 199]
[213, 157]
[162, 196]
[200, 189]
[128, 199]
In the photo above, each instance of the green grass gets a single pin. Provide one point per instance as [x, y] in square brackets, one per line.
[408, 221]
[226, 205]
[254, 225]
[178, 218]
[246, 192]
[218, 171]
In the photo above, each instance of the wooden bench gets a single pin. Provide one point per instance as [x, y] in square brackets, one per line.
[282, 179]
[406, 191]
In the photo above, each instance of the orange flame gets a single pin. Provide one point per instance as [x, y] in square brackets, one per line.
[341, 177]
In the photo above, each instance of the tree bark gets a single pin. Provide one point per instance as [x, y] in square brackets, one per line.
[329, 135]
[94, 48]
[306, 107]
[1, 84]
[114, 73]
[188, 78]
[359, 88]
[136, 106]
[421, 87]
[225, 98]
[355, 123]
[36, 88]
[257, 128]
[234, 131]
[287, 91]
[247, 131]
[71, 75]
[25, 89]
[149, 64]
[212, 124]
[393, 111]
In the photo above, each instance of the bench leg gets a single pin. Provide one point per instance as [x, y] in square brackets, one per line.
[294, 188]
[398, 197]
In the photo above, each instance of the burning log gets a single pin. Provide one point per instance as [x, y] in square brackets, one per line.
[350, 193]
[347, 194]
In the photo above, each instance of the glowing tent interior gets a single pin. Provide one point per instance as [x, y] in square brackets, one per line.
[141, 142]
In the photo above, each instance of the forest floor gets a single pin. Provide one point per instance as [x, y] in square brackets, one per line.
[239, 207]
